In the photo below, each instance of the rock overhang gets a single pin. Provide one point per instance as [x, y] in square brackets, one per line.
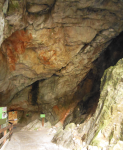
[55, 45]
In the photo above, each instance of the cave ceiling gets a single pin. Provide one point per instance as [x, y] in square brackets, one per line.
[49, 46]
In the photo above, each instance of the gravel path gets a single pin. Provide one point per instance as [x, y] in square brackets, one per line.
[32, 140]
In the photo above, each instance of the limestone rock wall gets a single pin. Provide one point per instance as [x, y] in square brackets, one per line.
[104, 128]
[106, 123]
[54, 42]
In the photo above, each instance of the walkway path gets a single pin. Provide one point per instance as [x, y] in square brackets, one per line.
[32, 140]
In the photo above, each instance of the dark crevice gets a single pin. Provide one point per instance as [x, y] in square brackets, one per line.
[55, 75]
[88, 97]
[34, 92]
[45, 11]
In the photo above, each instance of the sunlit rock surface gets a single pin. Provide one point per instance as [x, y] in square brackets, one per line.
[107, 122]
[105, 127]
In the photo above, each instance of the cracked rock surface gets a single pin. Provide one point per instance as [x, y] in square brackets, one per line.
[47, 49]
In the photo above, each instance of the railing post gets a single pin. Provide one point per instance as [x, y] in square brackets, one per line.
[4, 135]
[10, 130]
[12, 126]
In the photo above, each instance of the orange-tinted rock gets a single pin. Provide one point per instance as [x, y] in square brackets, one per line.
[56, 109]
[59, 46]
[15, 45]
[64, 114]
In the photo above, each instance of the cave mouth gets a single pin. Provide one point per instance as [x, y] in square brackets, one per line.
[84, 101]
[87, 94]
[53, 58]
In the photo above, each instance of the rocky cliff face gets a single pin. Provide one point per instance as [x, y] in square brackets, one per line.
[106, 129]
[47, 49]
[102, 130]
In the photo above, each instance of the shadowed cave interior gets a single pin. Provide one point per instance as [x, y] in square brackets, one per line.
[88, 90]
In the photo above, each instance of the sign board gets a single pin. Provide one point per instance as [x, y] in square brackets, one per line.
[42, 115]
[3, 115]
[3, 112]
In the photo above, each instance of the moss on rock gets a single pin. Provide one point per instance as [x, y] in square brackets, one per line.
[107, 120]
[13, 6]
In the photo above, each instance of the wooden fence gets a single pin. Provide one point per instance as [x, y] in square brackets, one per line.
[5, 133]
